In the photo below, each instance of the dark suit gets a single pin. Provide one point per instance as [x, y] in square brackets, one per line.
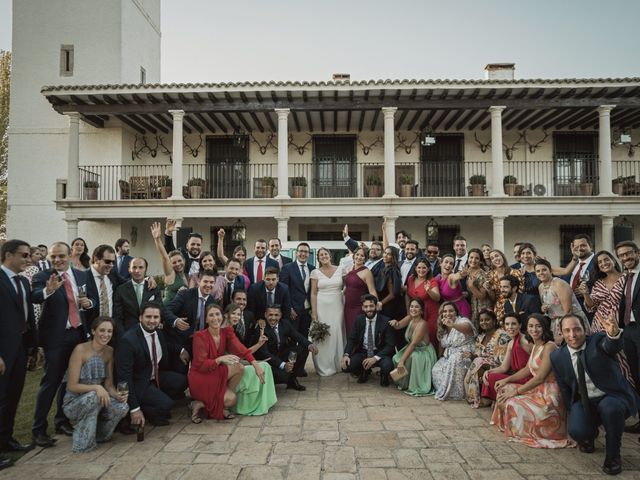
[58, 342]
[284, 259]
[435, 268]
[257, 301]
[123, 270]
[134, 366]
[93, 291]
[18, 336]
[589, 268]
[249, 326]
[188, 260]
[185, 305]
[291, 276]
[267, 262]
[44, 265]
[524, 303]
[277, 351]
[384, 344]
[610, 410]
[239, 283]
[631, 332]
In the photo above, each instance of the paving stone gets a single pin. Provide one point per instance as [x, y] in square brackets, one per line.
[245, 434]
[207, 444]
[371, 426]
[304, 472]
[339, 459]
[205, 472]
[128, 469]
[539, 468]
[401, 425]
[282, 419]
[212, 458]
[182, 443]
[373, 452]
[181, 458]
[154, 471]
[373, 439]
[261, 473]
[404, 474]
[299, 448]
[376, 463]
[373, 473]
[338, 476]
[447, 471]
[320, 425]
[325, 414]
[500, 474]
[441, 455]
[408, 458]
[251, 454]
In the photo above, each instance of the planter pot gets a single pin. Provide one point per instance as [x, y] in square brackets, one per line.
[90, 193]
[374, 190]
[267, 191]
[477, 190]
[298, 191]
[165, 192]
[586, 189]
[195, 191]
[519, 190]
[406, 190]
[618, 188]
[510, 189]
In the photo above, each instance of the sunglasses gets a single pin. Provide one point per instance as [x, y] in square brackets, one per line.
[23, 255]
[109, 262]
[435, 252]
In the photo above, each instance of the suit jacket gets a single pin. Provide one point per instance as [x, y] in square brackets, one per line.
[635, 305]
[270, 351]
[257, 300]
[13, 318]
[169, 246]
[600, 365]
[436, 267]
[292, 278]
[94, 291]
[524, 303]
[268, 262]
[240, 282]
[55, 309]
[46, 265]
[249, 326]
[285, 259]
[185, 305]
[134, 364]
[126, 311]
[123, 271]
[383, 337]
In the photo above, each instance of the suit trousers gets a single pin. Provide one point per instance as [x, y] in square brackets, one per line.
[156, 403]
[608, 411]
[56, 362]
[302, 323]
[11, 385]
[631, 336]
[385, 364]
[281, 376]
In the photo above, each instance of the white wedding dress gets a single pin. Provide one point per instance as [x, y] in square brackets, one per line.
[330, 311]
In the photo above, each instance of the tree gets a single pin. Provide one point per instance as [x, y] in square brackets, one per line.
[5, 89]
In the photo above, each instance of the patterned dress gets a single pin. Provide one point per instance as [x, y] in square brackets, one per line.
[537, 418]
[93, 423]
[550, 297]
[448, 372]
[487, 356]
[477, 304]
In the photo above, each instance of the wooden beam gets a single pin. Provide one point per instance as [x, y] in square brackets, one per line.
[190, 121]
[289, 96]
[584, 93]
[152, 99]
[478, 120]
[530, 119]
[361, 121]
[427, 119]
[599, 93]
[133, 125]
[257, 121]
[553, 94]
[537, 94]
[295, 120]
[168, 124]
[401, 118]
[270, 121]
[412, 97]
[153, 121]
[631, 92]
[582, 122]
[305, 98]
[437, 121]
[383, 92]
[243, 97]
[183, 98]
[567, 120]
[523, 93]
[144, 124]
[568, 93]
[167, 98]
[230, 121]
[518, 118]
[122, 99]
[414, 119]
[397, 95]
[322, 121]
[474, 94]
[205, 122]
[77, 100]
[468, 114]
[228, 97]
[309, 121]
[539, 122]
[93, 120]
[453, 119]
[217, 121]
[615, 93]
[197, 97]
[490, 94]
[244, 122]
[335, 121]
[376, 114]
[506, 93]
[443, 95]
[349, 120]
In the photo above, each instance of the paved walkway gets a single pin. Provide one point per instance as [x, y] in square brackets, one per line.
[337, 429]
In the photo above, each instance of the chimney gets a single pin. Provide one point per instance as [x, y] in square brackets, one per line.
[499, 71]
[341, 77]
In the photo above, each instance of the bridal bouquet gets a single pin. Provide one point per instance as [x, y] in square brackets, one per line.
[318, 331]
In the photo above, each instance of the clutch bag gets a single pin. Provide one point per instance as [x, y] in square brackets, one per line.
[398, 373]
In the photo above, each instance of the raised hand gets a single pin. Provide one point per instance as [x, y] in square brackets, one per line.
[170, 226]
[54, 283]
[156, 230]
[221, 233]
[610, 324]
[345, 231]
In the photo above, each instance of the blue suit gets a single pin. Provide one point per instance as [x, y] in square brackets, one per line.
[123, 270]
[268, 262]
[257, 300]
[610, 410]
[291, 277]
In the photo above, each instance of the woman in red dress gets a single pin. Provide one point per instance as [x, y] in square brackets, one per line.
[214, 374]
[423, 286]
[356, 283]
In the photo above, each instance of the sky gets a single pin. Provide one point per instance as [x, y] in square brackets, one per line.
[249, 40]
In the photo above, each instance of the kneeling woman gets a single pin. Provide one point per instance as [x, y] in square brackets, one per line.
[91, 402]
[214, 374]
[533, 413]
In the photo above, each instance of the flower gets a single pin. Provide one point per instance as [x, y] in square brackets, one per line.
[318, 331]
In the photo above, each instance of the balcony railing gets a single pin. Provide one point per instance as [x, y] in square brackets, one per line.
[350, 180]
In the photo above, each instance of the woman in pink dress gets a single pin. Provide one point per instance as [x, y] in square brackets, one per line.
[357, 282]
[450, 288]
[424, 287]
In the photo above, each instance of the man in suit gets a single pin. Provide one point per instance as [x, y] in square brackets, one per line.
[295, 275]
[233, 280]
[408, 266]
[374, 260]
[256, 266]
[401, 240]
[268, 292]
[520, 303]
[433, 257]
[582, 248]
[102, 282]
[516, 256]
[629, 312]
[592, 386]
[370, 344]
[44, 264]
[65, 299]
[16, 342]
[143, 360]
[247, 324]
[460, 250]
[191, 252]
[282, 339]
[275, 245]
[123, 259]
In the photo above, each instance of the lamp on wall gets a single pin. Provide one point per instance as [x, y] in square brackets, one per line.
[427, 138]
[239, 231]
[432, 230]
[239, 137]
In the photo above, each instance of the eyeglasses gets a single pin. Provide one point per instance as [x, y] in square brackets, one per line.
[23, 254]
[109, 262]
[435, 252]
[628, 253]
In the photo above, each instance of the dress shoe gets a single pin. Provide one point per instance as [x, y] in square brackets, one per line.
[364, 376]
[64, 428]
[13, 445]
[43, 440]
[612, 466]
[303, 373]
[587, 447]
[295, 385]
[5, 463]
[384, 380]
[635, 428]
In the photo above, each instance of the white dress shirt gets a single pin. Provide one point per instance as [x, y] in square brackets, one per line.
[636, 272]
[365, 342]
[587, 261]
[306, 280]
[404, 269]
[25, 293]
[462, 263]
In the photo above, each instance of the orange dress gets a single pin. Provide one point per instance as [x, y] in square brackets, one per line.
[537, 418]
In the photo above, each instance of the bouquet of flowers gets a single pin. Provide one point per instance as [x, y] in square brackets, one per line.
[318, 331]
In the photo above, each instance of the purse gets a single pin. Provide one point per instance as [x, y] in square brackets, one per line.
[398, 373]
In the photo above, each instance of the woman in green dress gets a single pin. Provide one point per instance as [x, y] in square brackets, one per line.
[172, 265]
[418, 356]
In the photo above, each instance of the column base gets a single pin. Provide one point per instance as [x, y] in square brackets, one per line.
[390, 195]
[608, 194]
[176, 197]
[498, 195]
[282, 197]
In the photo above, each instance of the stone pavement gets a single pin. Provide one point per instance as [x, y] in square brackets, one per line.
[337, 429]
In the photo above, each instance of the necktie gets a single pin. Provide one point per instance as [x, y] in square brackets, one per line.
[456, 267]
[154, 355]
[43, 265]
[139, 293]
[576, 278]
[628, 298]
[74, 313]
[259, 274]
[275, 329]
[104, 298]
[269, 298]
[201, 314]
[240, 329]
[369, 338]
[21, 300]
[582, 386]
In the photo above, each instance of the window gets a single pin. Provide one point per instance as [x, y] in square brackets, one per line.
[446, 234]
[143, 75]
[575, 158]
[66, 60]
[567, 232]
[334, 159]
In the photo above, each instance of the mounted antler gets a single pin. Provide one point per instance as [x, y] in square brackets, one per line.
[192, 151]
[632, 149]
[483, 146]
[164, 150]
[366, 149]
[508, 150]
[534, 146]
[269, 143]
[402, 143]
[135, 153]
[300, 148]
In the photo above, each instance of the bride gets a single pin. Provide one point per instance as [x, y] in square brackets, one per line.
[327, 306]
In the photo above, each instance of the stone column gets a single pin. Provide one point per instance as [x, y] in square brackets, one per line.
[283, 228]
[391, 228]
[389, 153]
[604, 149]
[72, 229]
[176, 154]
[497, 189]
[498, 232]
[607, 233]
[73, 159]
[283, 153]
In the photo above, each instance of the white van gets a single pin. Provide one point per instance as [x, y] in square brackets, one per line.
[338, 249]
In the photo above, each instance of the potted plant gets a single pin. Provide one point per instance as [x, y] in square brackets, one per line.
[406, 185]
[510, 182]
[585, 189]
[298, 187]
[477, 183]
[374, 186]
[617, 185]
[91, 190]
[268, 185]
[164, 182]
[196, 185]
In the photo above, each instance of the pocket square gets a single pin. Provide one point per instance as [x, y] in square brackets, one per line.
[152, 298]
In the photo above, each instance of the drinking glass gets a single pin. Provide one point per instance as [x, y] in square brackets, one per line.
[122, 388]
[293, 356]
